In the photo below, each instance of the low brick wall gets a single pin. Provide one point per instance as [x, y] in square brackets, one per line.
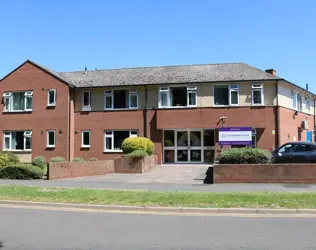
[60, 170]
[265, 173]
[134, 165]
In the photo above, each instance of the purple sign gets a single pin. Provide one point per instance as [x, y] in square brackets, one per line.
[235, 136]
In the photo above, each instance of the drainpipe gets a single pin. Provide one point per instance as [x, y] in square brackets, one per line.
[277, 116]
[145, 113]
[69, 113]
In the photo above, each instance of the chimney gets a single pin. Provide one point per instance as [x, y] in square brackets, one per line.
[271, 71]
[307, 86]
[85, 70]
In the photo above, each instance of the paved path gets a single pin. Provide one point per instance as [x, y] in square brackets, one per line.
[95, 182]
[47, 230]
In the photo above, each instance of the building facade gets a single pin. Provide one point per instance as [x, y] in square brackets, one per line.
[180, 108]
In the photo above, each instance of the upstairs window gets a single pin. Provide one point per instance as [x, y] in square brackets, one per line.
[308, 103]
[86, 100]
[294, 99]
[225, 95]
[113, 139]
[18, 101]
[121, 99]
[18, 140]
[257, 94]
[299, 102]
[178, 96]
[51, 97]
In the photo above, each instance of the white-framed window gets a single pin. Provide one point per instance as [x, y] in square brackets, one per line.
[299, 102]
[177, 96]
[294, 99]
[51, 138]
[85, 138]
[308, 103]
[17, 140]
[257, 94]
[18, 101]
[86, 100]
[113, 139]
[121, 99]
[226, 94]
[51, 97]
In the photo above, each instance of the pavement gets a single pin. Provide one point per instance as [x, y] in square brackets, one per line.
[31, 229]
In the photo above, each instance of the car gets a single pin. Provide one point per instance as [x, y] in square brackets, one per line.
[295, 152]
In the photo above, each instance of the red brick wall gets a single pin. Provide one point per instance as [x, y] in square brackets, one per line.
[262, 118]
[290, 124]
[97, 122]
[29, 77]
[60, 170]
[265, 173]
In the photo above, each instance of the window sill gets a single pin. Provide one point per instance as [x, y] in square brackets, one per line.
[226, 106]
[87, 109]
[18, 151]
[120, 109]
[18, 111]
[84, 146]
[50, 146]
[178, 107]
[113, 151]
[51, 105]
[254, 104]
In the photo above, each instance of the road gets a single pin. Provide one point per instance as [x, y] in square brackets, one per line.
[30, 229]
[97, 182]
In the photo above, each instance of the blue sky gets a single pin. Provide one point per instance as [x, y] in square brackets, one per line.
[67, 35]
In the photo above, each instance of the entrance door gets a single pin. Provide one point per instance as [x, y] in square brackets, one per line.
[189, 146]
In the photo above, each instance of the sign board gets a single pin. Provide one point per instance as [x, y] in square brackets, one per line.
[235, 136]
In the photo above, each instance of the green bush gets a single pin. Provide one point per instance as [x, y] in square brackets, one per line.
[57, 159]
[13, 159]
[7, 158]
[40, 162]
[78, 159]
[245, 156]
[131, 144]
[93, 159]
[21, 172]
[137, 154]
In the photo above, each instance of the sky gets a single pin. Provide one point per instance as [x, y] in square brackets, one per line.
[69, 35]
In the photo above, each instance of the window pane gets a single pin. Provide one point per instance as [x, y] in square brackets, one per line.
[192, 98]
[119, 137]
[19, 140]
[133, 103]
[108, 102]
[7, 142]
[164, 99]
[86, 98]
[183, 155]
[209, 156]
[209, 138]
[121, 99]
[195, 138]
[178, 96]
[196, 155]
[257, 98]
[7, 103]
[234, 97]
[221, 95]
[51, 97]
[169, 138]
[51, 138]
[169, 156]
[182, 138]
[18, 101]
[86, 138]
[28, 142]
[29, 100]
[108, 143]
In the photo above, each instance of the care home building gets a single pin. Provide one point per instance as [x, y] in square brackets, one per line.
[180, 108]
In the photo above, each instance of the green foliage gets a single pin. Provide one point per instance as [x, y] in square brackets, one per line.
[131, 144]
[7, 158]
[93, 159]
[40, 162]
[137, 154]
[57, 159]
[78, 159]
[21, 172]
[245, 156]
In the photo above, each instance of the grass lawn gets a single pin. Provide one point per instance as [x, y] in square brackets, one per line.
[151, 198]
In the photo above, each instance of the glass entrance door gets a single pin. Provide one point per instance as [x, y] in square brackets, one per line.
[189, 146]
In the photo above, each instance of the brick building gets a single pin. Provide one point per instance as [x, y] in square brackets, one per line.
[180, 108]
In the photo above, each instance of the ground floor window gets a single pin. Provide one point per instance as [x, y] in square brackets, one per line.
[18, 140]
[51, 138]
[113, 139]
[189, 146]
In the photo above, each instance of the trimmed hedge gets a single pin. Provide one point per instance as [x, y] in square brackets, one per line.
[21, 172]
[245, 156]
[7, 158]
[137, 154]
[40, 162]
[131, 144]
[57, 159]
[93, 159]
[78, 159]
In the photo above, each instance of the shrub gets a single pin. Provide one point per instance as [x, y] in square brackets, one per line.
[57, 159]
[21, 172]
[93, 159]
[131, 144]
[40, 162]
[245, 156]
[78, 159]
[7, 158]
[137, 154]
[13, 159]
